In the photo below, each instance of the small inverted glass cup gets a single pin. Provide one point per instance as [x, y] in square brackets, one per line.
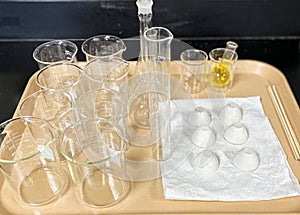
[60, 76]
[199, 117]
[246, 159]
[103, 46]
[205, 162]
[203, 137]
[192, 74]
[231, 113]
[55, 51]
[29, 160]
[95, 161]
[220, 74]
[236, 133]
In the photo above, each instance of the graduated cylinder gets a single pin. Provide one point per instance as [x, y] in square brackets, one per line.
[158, 56]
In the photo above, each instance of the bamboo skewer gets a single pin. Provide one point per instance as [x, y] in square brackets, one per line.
[292, 138]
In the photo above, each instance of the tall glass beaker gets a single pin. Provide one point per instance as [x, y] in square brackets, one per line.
[157, 59]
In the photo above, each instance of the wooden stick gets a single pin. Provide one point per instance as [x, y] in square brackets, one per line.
[292, 138]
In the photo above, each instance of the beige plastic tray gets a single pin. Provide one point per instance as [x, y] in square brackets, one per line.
[251, 79]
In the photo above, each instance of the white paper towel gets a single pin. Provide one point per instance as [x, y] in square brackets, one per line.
[272, 179]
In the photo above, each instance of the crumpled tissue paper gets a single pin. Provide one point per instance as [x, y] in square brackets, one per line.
[271, 180]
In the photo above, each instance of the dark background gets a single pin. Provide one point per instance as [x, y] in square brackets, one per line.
[266, 30]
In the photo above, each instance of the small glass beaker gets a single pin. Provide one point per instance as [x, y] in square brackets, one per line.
[60, 76]
[102, 104]
[192, 75]
[95, 159]
[55, 51]
[221, 70]
[55, 106]
[108, 73]
[103, 46]
[30, 162]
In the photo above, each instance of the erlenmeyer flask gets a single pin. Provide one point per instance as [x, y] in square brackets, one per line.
[145, 18]
[141, 115]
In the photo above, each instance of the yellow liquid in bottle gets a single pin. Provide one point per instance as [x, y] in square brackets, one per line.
[220, 75]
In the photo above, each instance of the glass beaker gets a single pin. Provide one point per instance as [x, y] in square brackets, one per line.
[222, 66]
[158, 56]
[103, 46]
[109, 73]
[55, 51]
[60, 76]
[220, 77]
[30, 162]
[102, 104]
[55, 106]
[95, 160]
[194, 62]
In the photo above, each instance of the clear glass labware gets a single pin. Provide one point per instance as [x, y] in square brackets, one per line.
[145, 18]
[103, 46]
[94, 151]
[60, 76]
[222, 62]
[30, 161]
[140, 116]
[158, 56]
[194, 66]
[55, 106]
[55, 51]
[109, 73]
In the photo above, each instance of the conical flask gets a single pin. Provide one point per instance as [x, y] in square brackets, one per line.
[145, 18]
